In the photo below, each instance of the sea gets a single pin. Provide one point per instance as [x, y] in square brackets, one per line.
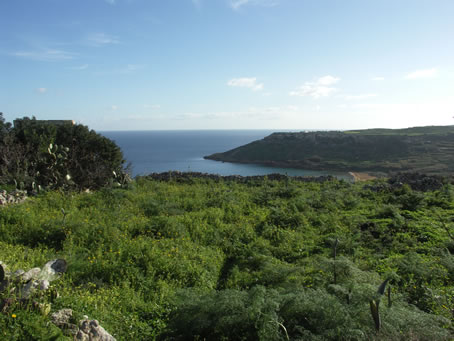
[157, 151]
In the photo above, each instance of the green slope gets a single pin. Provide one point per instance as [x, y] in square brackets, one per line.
[206, 258]
[426, 149]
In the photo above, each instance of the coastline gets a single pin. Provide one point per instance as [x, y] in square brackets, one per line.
[359, 176]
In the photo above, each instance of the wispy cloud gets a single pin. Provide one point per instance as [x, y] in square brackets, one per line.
[111, 2]
[197, 3]
[41, 90]
[425, 73]
[378, 78]
[237, 4]
[152, 106]
[131, 68]
[80, 67]
[322, 87]
[246, 82]
[124, 70]
[114, 107]
[253, 113]
[101, 39]
[358, 97]
[45, 55]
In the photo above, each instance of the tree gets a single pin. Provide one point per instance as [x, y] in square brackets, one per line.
[52, 155]
[5, 127]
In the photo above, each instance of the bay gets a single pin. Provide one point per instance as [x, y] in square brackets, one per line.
[157, 151]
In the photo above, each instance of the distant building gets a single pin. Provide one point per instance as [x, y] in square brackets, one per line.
[54, 122]
[57, 122]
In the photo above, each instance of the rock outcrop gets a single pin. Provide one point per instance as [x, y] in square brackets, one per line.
[88, 330]
[22, 287]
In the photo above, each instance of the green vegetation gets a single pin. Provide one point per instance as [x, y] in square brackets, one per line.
[212, 259]
[37, 155]
[423, 149]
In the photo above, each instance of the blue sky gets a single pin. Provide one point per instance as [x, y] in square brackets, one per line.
[228, 64]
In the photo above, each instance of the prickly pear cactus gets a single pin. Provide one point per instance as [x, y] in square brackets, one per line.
[53, 170]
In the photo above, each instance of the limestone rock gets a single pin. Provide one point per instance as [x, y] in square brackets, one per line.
[18, 273]
[30, 274]
[63, 320]
[29, 288]
[53, 270]
[90, 330]
[62, 316]
[44, 284]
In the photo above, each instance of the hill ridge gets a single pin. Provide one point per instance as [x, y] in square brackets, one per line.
[428, 149]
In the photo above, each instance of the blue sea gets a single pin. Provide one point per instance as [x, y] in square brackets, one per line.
[156, 151]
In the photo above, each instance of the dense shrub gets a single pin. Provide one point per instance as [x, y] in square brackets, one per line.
[37, 154]
[291, 314]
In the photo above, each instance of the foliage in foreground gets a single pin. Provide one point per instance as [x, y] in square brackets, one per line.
[230, 261]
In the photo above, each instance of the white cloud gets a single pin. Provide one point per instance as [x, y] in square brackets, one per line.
[426, 73]
[322, 87]
[327, 80]
[41, 90]
[111, 2]
[114, 107]
[245, 82]
[45, 55]
[358, 97]
[237, 4]
[100, 39]
[378, 78]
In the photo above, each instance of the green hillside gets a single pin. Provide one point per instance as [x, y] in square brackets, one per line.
[193, 257]
[424, 149]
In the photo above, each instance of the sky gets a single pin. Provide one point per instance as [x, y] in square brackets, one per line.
[229, 64]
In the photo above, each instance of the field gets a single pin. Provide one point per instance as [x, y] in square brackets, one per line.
[212, 259]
